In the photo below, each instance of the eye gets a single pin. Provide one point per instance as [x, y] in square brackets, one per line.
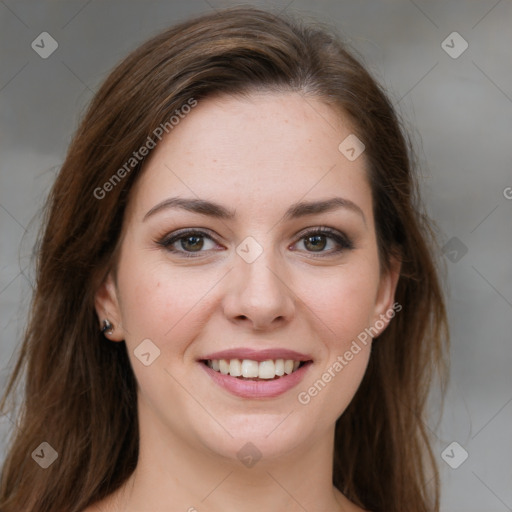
[191, 243]
[317, 240]
[187, 242]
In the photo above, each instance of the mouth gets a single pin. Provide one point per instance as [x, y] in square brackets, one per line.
[251, 370]
[256, 374]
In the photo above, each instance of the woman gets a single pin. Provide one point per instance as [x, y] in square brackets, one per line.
[235, 223]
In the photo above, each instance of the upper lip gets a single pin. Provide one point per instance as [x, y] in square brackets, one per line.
[258, 355]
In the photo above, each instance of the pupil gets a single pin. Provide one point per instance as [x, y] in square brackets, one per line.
[319, 241]
[197, 241]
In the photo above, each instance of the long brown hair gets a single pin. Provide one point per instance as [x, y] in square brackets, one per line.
[80, 390]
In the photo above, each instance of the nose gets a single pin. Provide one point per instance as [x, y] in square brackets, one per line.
[260, 294]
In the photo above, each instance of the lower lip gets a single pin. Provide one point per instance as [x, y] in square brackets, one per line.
[257, 388]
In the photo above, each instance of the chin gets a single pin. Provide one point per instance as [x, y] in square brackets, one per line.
[266, 436]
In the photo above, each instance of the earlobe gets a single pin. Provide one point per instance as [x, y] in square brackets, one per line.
[385, 306]
[107, 308]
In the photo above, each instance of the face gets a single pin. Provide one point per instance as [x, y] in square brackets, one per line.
[269, 256]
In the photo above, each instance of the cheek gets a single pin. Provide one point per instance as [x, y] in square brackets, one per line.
[160, 302]
[343, 301]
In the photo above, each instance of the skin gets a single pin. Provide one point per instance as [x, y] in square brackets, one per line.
[257, 155]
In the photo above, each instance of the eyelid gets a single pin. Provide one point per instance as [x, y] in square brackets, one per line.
[179, 233]
[169, 239]
[339, 236]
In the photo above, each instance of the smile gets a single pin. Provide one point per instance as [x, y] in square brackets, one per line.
[256, 374]
[254, 370]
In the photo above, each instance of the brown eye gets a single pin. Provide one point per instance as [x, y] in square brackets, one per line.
[325, 241]
[192, 243]
[188, 243]
[316, 243]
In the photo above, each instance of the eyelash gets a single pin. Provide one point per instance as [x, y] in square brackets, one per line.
[340, 238]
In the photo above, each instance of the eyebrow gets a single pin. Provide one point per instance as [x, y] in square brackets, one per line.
[295, 211]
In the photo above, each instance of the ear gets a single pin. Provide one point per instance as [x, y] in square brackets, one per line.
[385, 307]
[106, 303]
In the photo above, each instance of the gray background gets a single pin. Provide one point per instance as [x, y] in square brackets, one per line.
[458, 110]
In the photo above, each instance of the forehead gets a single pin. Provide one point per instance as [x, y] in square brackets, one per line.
[264, 149]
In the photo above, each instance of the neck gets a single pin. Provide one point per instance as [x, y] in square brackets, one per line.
[173, 474]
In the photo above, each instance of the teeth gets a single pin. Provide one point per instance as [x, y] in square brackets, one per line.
[249, 369]
[235, 368]
[223, 366]
[267, 369]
